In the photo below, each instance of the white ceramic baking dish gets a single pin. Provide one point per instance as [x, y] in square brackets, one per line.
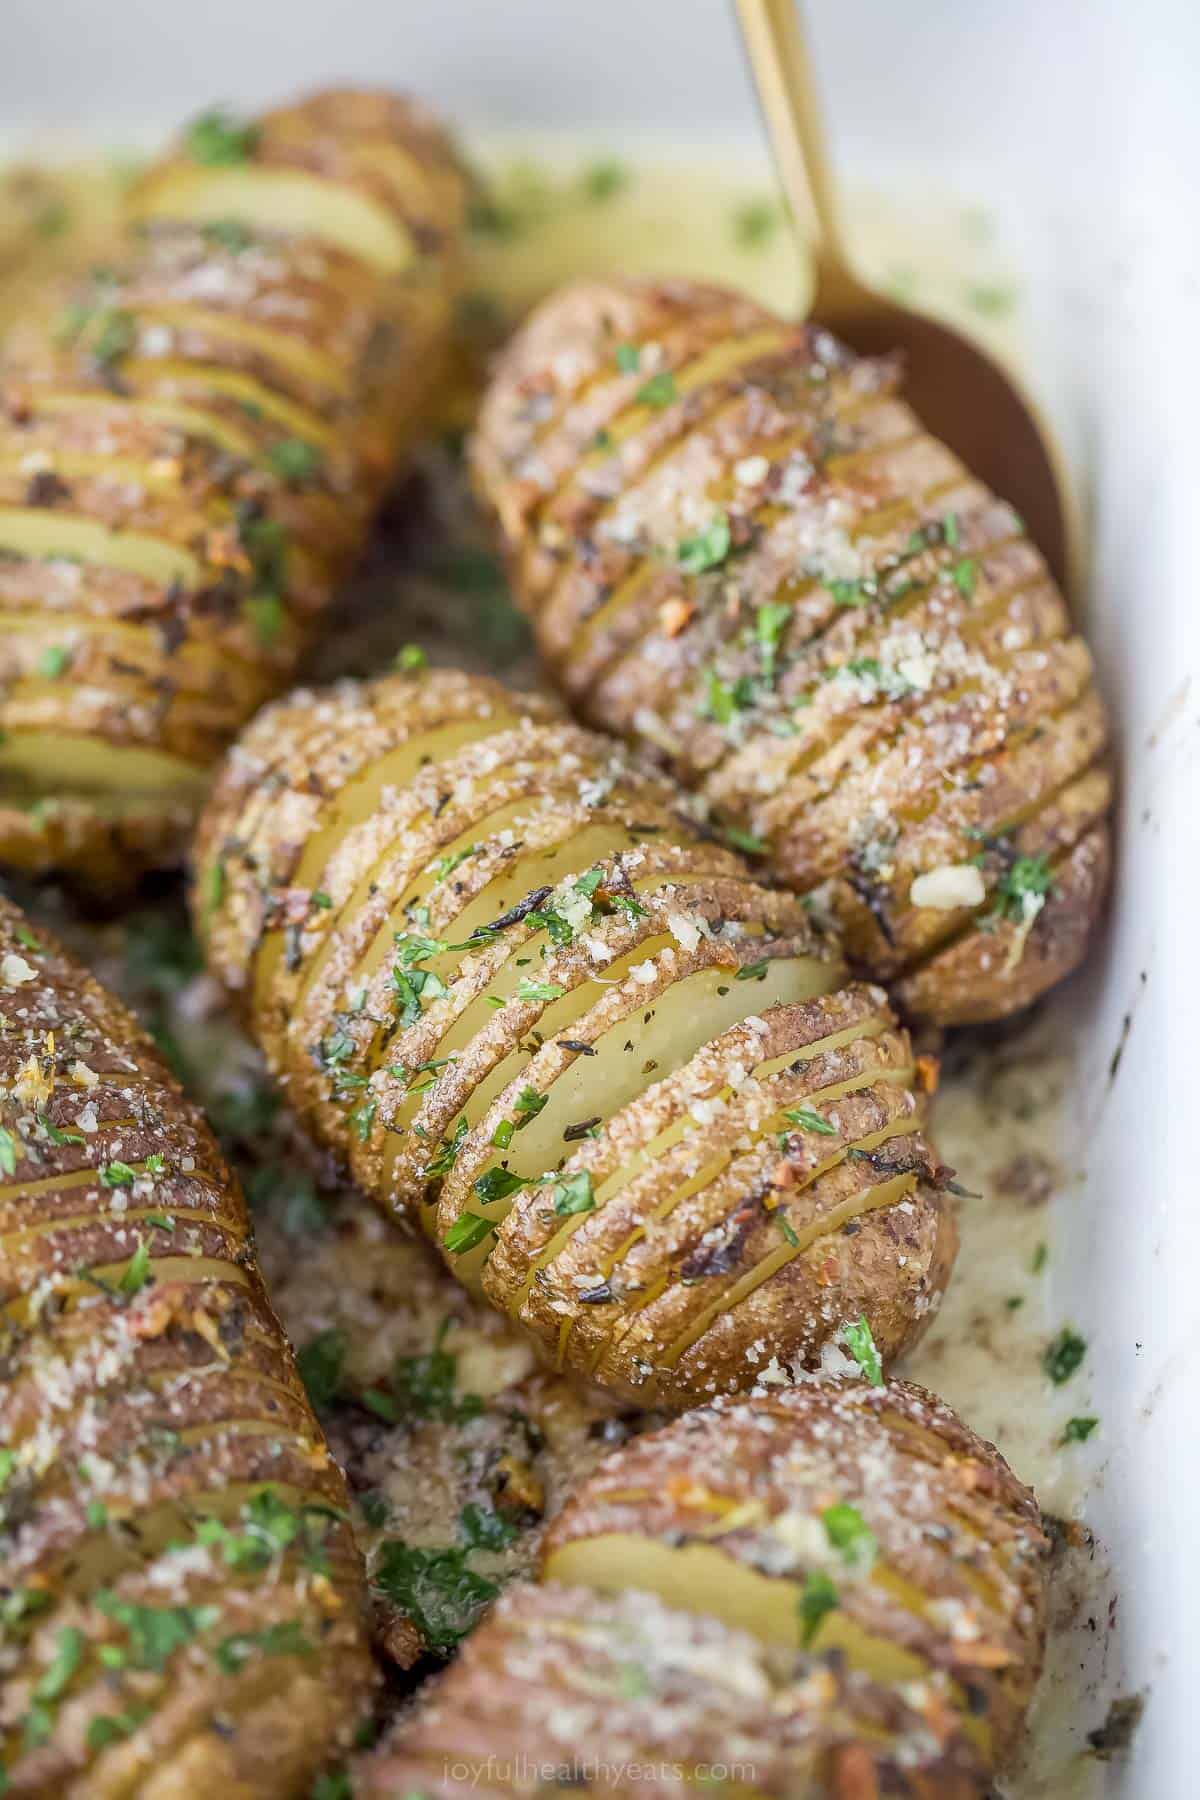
[1077, 120]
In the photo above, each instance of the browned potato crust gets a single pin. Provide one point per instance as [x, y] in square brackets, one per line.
[740, 550]
[825, 1590]
[193, 442]
[174, 1548]
[503, 975]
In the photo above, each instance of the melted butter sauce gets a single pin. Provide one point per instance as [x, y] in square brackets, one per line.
[561, 208]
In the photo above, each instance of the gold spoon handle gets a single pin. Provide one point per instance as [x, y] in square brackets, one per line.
[782, 68]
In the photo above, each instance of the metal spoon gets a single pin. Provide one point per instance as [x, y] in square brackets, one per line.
[964, 397]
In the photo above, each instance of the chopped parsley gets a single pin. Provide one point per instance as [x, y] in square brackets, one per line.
[409, 659]
[628, 358]
[229, 234]
[60, 1137]
[498, 1184]
[468, 1231]
[769, 624]
[539, 990]
[755, 971]
[573, 1194]
[808, 1120]
[436, 1589]
[707, 549]
[849, 1532]
[321, 1365]
[283, 1639]
[294, 460]
[1063, 1355]
[117, 1175]
[155, 1633]
[443, 1159]
[602, 179]
[857, 1336]
[755, 223]
[1022, 890]
[8, 1151]
[659, 391]
[217, 139]
[1078, 1430]
[52, 661]
[818, 1597]
[136, 1272]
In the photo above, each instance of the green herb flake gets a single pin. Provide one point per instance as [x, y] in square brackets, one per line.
[216, 139]
[67, 1657]
[707, 549]
[755, 223]
[1078, 1430]
[482, 1528]
[603, 179]
[117, 1175]
[1063, 1355]
[498, 1184]
[136, 1273]
[8, 1151]
[857, 1336]
[321, 1364]
[963, 575]
[228, 234]
[659, 391]
[155, 1633]
[409, 659]
[818, 1597]
[539, 990]
[283, 1639]
[849, 1532]
[573, 1194]
[755, 971]
[266, 616]
[436, 1589]
[467, 1232]
[52, 661]
[628, 358]
[808, 1120]
[294, 460]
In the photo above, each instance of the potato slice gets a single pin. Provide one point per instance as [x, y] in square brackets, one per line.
[795, 598]
[173, 1528]
[506, 978]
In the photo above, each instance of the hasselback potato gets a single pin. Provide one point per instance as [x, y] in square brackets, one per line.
[181, 1601]
[739, 548]
[832, 1589]
[193, 440]
[622, 1085]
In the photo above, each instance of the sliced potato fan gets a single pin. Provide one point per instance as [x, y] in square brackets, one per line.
[174, 1539]
[740, 549]
[503, 973]
[826, 1590]
[193, 440]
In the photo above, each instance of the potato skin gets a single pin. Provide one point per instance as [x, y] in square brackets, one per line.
[599, 1666]
[864, 663]
[503, 975]
[166, 1495]
[193, 443]
[946, 1513]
